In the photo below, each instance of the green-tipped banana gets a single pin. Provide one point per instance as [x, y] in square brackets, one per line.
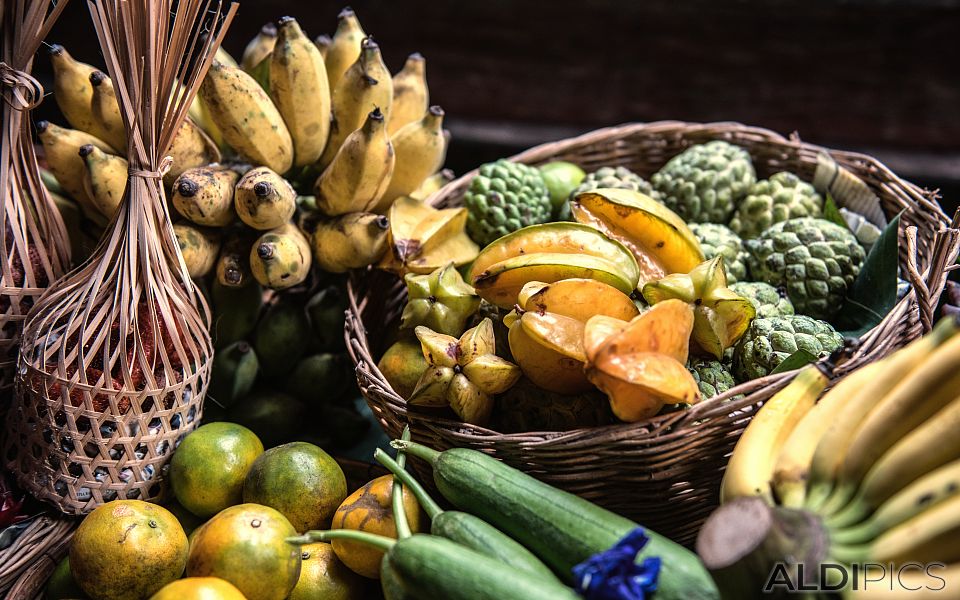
[280, 258]
[259, 47]
[344, 49]
[246, 116]
[105, 180]
[233, 266]
[191, 148]
[298, 86]
[360, 172]
[205, 195]
[410, 94]
[71, 88]
[199, 248]
[61, 148]
[364, 87]
[264, 200]
[235, 312]
[107, 122]
[351, 241]
[421, 149]
[234, 372]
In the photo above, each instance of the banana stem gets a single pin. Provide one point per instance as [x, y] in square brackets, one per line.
[428, 504]
[371, 539]
[419, 450]
[396, 497]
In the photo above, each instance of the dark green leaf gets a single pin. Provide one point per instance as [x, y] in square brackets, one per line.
[832, 213]
[794, 361]
[261, 73]
[874, 293]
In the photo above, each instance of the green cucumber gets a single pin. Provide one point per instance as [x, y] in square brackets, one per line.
[390, 581]
[559, 527]
[466, 529]
[433, 567]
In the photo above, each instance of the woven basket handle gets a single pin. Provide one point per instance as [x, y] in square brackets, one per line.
[929, 284]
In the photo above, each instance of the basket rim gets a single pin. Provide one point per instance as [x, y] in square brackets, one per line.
[924, 282]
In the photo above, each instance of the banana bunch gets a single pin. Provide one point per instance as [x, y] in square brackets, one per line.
[875, 460]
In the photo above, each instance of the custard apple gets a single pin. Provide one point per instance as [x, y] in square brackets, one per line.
[720, 240]
[705, 183]
[504, 197]
[767, 300]
[712, 376]
[768, 342]
[815, 260]
[784, 196]
[616, 177]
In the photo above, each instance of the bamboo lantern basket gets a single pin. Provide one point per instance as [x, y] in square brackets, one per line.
[115, 359]
[36, 250]
[664, 472]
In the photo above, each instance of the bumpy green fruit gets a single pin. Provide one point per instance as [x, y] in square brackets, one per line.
[617, 177]
[719, 240]
[768, 300]
[712, 377]
[782, 197]
[441, 301]
[505, 196]
[768, 342]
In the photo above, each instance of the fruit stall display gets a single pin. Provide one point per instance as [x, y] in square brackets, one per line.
[631, 298]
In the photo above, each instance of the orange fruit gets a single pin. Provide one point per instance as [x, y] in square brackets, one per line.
[322, 575]
[127, 550]
[199, 588]
[300, 480]
[369, 509]
[246, 545]
[402, 365]
[209, 466]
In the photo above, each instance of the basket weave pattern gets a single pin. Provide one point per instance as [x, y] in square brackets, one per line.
[665, 472]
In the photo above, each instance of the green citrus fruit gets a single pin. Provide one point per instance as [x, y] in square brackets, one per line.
[561, 178]
[322, 575]
[403, 364]
[199, 588]
[62, 585]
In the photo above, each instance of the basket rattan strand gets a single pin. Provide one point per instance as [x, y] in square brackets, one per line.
[665, 472]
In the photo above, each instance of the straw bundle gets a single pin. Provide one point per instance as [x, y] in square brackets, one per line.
[115, 359]
[33, 239]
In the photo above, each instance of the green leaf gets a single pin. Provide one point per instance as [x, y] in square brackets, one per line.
[794, 361]
[832, 213]
[874, 293]
[261, 73]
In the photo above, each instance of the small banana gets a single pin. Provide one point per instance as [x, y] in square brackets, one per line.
[344, 48]
[259, 47]
[432, 184]
[191, 148]
[365, 86]
[834, 444]
[233, 266]
[751, 466]
[360, 172]
[105, 180]
[249, 121]
[223, 56]
[917, 396]
[264, 200]
[199, 247]
[298, 86]
[421, 149]
[322, 42]
[410, 94]
[792, 468]
[280, 258]
[350, 241]
[107, 122]
[205, 195]
[61, 147]
[71, 88]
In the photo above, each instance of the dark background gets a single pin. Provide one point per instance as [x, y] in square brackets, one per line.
[870, 75]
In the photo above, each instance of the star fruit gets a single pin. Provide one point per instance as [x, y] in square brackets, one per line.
[440, 301]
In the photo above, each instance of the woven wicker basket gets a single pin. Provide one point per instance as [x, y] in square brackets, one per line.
[665, 472]
[28, 563]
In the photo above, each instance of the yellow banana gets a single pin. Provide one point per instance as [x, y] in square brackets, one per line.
[107, 123]
[223, 56]
[932, 444]
[351, 241]
[199, 247]
[233, 265]
[360, 172]
[421, 149]
[298, 86]
[751, 466]
[432, 184]
[105, 180]
[259, 47]
[264, 200]
[249, 121]
[191, 148]
[833, 446]
[322, 42]
[410, 94]
[929, 490]
[344, 48]
[792, 468]
[917, 396]
[205, 195]
[71, 88]
[61, 147]
[280, 258]
[365, 86]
